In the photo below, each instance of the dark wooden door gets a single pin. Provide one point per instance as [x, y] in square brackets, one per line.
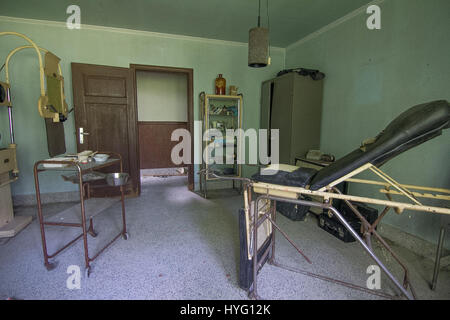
[104, 109]
[155, 145]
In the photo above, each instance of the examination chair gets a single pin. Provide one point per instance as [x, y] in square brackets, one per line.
[299, 185]
[413, 127]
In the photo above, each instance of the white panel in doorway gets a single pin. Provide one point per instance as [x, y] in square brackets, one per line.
[161, 96]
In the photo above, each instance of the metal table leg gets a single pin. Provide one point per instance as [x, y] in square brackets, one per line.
[83, 221]
[47, 264]
[274, 216]
[438, 257]
[254, 211]
[124, 223]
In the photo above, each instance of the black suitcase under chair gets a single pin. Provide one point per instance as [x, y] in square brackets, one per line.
[333, 225]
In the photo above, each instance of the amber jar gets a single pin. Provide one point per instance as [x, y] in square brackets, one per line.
[221, 85]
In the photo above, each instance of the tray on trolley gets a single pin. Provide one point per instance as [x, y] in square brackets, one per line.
[87, 177]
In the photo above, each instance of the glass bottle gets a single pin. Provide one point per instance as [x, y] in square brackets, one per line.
[221, 85]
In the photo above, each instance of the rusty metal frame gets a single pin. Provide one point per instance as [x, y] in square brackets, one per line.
[253, 293]
[84, 192]
[328, 193]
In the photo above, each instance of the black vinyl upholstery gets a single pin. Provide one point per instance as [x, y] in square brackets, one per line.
[411, 128]
[298, 178]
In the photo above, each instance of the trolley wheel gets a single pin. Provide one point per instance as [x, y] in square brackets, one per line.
[87, 272]
[125, 236]
[93, 233]
[51, 265]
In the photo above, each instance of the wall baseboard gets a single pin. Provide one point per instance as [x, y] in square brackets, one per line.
[56, 197]
[413, 243]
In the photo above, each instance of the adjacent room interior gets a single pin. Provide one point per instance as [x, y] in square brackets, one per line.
[162, 104]
[234, 150]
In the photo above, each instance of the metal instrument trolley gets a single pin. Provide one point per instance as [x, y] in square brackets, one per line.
[79, 175]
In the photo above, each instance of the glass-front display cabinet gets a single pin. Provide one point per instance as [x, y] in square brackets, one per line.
[221, 116]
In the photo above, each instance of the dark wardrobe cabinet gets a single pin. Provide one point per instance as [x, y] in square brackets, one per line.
[292, 103]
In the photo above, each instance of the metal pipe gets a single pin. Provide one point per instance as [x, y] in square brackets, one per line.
[40, 215]
[370, 252]
[62, 224]
[377, 221]
[255, 248]
[105, 247]
[263, 258]
[438, 258]
[342, 283]
[36, 48]
[354, 234]
[289, 240]
[274, 214]
[83, 215]
[381, 240]
[64, 247]
[263, 218]
[122, 198]
[10, 117]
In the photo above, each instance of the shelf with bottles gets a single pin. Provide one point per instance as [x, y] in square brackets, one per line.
[222, 113]
[224, 140]
[223, 153]
[223, 110]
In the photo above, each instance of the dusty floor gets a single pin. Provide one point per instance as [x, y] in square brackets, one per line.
[183, 246]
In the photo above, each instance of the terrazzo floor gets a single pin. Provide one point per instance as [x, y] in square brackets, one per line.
[182, 246]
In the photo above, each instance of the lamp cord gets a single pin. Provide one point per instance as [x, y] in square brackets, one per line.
[268, 23]
[259, 13]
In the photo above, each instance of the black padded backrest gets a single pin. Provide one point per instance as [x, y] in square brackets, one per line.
[413, 127]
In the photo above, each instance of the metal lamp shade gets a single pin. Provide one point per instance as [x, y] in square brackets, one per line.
[258, 47]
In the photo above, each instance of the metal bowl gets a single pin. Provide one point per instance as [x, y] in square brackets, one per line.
[101, 157]
[117, 178]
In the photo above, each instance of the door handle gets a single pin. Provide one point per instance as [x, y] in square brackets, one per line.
[82, 134]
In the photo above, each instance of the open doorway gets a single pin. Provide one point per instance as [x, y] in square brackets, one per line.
[164, 103]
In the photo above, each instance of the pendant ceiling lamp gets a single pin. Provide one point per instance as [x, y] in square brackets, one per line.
[258, 43]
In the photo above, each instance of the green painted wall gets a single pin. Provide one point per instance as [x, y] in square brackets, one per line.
[115, 48]
[161, 96]
[372, 76]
